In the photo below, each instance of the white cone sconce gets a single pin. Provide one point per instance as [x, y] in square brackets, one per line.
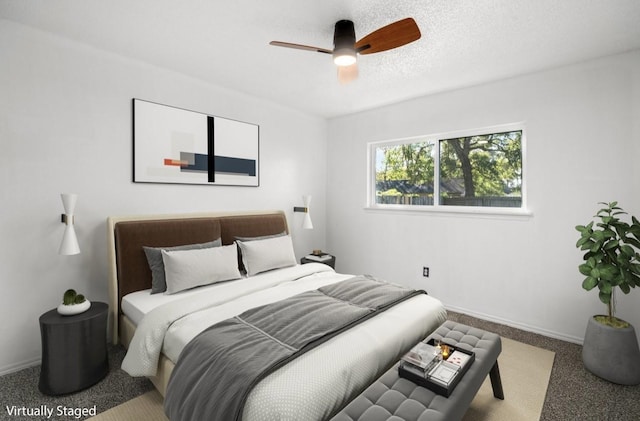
[69, 243]
[306, 222]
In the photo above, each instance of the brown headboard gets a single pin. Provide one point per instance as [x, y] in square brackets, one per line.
[128, 267]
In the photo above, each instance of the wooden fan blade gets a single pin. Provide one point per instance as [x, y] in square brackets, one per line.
[391, 36]
[347, 74]
[300, 47]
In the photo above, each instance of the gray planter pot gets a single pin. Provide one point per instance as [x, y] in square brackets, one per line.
[612, 353]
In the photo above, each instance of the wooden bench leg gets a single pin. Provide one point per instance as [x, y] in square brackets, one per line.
[496, 382]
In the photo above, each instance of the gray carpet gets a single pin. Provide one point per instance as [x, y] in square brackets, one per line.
[21, 389]
[573, 393]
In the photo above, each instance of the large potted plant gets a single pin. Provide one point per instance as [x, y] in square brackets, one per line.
[611, 263]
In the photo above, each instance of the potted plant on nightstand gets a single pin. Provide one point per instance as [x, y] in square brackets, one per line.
[611, 262]
[73, 303]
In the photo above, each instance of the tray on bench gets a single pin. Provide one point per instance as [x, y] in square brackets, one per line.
[444, 388]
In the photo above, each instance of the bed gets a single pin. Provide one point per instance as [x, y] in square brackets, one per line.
[340, 368]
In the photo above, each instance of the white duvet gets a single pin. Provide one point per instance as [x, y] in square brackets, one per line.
[313, 386]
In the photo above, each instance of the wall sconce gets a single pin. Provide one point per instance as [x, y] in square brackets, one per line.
[69, 243]
[306, 223]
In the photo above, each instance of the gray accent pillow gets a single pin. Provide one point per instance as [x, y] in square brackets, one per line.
[267, 254]
[154, 258]
[262, 237]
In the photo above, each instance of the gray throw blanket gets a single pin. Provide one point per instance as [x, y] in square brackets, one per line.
[219, 367]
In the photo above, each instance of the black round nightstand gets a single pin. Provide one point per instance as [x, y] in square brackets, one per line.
[325, 258]
[74, 350]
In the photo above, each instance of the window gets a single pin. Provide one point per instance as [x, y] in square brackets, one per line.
[405, 173]
[477, 170]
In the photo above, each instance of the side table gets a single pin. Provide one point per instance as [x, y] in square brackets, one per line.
[74, 350]
[325, 258]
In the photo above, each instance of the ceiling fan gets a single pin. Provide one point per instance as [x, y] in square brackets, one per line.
[345, 47]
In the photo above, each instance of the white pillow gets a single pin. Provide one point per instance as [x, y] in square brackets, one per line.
[186, 269]
[271, 253]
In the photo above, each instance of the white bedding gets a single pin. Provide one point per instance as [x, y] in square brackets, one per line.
[314, 385]
[137, 304]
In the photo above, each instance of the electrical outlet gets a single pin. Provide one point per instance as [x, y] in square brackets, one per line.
[425, 271]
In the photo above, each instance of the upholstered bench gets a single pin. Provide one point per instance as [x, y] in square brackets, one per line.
[396, 399]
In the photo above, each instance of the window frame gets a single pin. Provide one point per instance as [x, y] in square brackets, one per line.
[435, 139]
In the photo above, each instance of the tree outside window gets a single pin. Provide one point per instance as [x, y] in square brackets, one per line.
[480, 170]
[405, 174]
[488, 169]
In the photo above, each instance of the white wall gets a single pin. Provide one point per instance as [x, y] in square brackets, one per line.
[583, 137]
[65, 126]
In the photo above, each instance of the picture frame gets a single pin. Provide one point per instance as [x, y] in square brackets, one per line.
[177, 146]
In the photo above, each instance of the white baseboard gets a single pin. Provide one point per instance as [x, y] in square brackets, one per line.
[522, 326]
[18, 366]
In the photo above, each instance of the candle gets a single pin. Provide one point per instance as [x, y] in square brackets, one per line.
[445, 351]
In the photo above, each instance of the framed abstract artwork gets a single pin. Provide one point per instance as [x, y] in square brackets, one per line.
[173, 145]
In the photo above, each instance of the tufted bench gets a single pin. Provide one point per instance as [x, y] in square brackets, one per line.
[394, 398]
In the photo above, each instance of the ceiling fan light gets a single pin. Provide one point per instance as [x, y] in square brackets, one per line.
[344, 57]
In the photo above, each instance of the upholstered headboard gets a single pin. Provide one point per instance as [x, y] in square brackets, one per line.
[128, 267]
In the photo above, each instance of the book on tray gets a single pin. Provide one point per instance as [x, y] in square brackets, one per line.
[422, 356]
[424, 365]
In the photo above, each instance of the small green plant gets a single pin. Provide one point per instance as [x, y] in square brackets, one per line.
[612, 259]
[70, 297]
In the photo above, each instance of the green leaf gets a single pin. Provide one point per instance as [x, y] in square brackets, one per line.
[625, 288]
[608, 272]
[585, 269]
[633, 242]
[614, 282]
[620, 230]
[627, 250]
[623, 263]
[598, 256]
[582, 241]
[611, 244]
[605, 287]
[589, 283]
[605, 298]
[588, 245]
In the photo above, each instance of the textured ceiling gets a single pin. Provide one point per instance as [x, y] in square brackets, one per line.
[464, 42]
